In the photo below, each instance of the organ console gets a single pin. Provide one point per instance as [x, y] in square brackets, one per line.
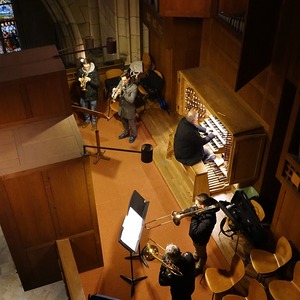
[240, 140]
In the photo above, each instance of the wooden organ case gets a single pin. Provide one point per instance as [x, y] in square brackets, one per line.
[240, 140]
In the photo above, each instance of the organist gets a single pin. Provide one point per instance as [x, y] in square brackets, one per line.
[190, 140]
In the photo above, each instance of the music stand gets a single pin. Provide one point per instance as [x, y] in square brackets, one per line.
[131, 232]
[99, 154]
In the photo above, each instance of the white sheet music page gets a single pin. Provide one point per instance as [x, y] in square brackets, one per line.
[132, 229]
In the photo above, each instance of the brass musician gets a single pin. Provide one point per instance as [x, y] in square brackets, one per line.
[181, 287]
[201, 227]
[89, 80]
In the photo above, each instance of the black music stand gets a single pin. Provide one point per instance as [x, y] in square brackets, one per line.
[99, 154]
[131, 232]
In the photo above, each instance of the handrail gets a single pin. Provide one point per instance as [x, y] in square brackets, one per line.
[69, 269]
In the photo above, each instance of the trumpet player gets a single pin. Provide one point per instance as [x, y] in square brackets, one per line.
[89, 80]
[201, 227]
[127, 93]
[181, 287]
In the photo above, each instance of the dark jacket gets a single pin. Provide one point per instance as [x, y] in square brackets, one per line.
[126, 101]
[182, 287]
[188, 144]
[201, 227]
[91, 93]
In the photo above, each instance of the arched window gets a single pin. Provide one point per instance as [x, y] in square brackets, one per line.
[9, 37]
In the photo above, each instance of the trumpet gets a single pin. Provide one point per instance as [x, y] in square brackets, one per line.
[150, 252]
[117, 90]
[83, 81]
[177, 216]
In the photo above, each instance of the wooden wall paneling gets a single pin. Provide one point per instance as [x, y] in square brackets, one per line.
[13, 237]
[28, 229]
[48, 95]
[50, 202]
[35, 83]
[178, 8]
[70, 199]
[221, 51]
[43, 267]
[258, 39]
[232, 6]
[172, 52]
[86, 251]
[11, 108]
[255, 43]
[245, 166]
[286, 217]
[30, 208]
[75, 201]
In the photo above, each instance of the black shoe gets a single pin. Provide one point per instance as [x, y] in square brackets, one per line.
[198, 271]
[132, 139]
[210, 159]
[123, 135]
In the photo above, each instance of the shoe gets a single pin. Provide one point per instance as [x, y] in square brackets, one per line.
[210, 159]
[132, 139]
[123, 135]
[93, 127]
[198, 271]
[85, 124]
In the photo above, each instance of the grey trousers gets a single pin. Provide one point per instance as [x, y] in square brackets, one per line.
[129, 126]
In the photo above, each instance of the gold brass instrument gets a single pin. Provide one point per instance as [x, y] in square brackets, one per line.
[150, 252]
[83, 81]
[177, 216]
[117, 90]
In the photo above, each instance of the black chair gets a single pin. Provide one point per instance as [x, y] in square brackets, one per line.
[153, 84]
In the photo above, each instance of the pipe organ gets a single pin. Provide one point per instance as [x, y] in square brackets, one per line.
[240, 139]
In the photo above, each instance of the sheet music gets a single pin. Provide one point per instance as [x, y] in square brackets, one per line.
[132, 229]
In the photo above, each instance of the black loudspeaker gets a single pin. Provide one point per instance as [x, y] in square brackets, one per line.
[147, 153]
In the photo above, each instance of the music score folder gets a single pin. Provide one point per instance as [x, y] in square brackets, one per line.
[133, 223]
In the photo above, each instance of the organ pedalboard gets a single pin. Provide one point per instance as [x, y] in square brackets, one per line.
[239, 142]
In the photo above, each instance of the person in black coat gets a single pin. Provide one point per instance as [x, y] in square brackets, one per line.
[127, 93]
[89, 80]
[201, 227]
[189, 144]
[181, 287]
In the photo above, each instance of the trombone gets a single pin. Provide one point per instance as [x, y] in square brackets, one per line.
[150, 252]
[176, 216]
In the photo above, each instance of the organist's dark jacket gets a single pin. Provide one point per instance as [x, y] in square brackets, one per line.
[188, 144]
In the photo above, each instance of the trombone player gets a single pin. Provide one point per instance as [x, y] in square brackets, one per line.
[181, 287]
[201, 227]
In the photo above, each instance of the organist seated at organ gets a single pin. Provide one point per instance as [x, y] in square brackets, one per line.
[189, 144]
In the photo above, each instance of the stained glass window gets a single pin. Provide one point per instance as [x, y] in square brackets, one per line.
[9, 38]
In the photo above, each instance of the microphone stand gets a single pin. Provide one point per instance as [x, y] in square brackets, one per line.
[99, 154]
[146, 149]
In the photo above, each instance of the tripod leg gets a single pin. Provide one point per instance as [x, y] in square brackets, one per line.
[131, 280]
[99, 153]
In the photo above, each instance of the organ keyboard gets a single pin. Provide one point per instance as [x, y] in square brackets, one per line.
[240, 137]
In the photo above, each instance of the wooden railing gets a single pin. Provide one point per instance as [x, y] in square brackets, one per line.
[69, 270]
